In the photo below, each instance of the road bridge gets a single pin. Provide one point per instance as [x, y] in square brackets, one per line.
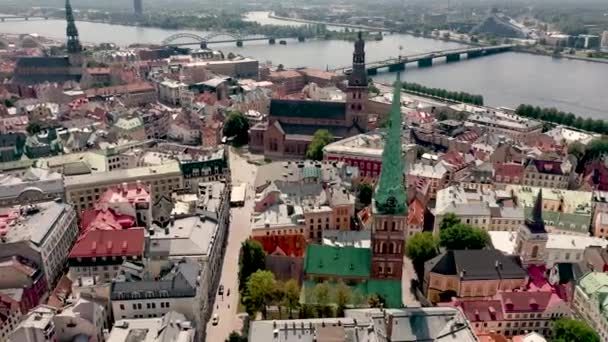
[426, 59]
[21, 18]
[217, 38]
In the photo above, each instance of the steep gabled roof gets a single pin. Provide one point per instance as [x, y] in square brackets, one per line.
[308, 109]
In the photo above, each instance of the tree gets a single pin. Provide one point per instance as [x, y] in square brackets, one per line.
[463, 236]
[236, 127]
[449, 220]
[322, 295]
[236, 337]
[567, 330]
[280, 67]
[253, 258]
[421, 247]
[8, 103]
[376, 301]
[33, 128]
[291, 296]
[577, 150]
[231, 56]
[343, 295]
[365, 193]
[259, 291]
[321, 138]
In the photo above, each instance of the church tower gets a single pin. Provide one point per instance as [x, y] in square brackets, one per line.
[74, 47]
[532, 237]
[357, 91]
[390, 203]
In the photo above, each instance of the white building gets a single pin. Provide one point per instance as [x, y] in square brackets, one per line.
[590, 302]
[567, 135]
[171, 327]
[179, 290]
[37, 326]
[35, 185]
[561, 248]
[83, 318]
[171, 91]
[43, 233]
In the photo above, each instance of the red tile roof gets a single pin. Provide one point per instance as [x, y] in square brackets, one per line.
[510, 170]
[288, 245]
[94, 219]
[415, 215]
[525, 301]
[100, 243]
[482, 310]
[139, 87]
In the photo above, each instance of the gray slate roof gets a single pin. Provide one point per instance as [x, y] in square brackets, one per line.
[477, 265]
[180, 282]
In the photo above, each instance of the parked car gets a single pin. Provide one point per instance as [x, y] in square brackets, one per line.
[215, 320]
[221, 290]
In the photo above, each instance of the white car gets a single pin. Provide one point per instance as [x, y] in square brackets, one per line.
[215, 320]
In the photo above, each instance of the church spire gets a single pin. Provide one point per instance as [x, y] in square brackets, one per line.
[358, 76]
[535, 222]
[74, 46]
[390, 197]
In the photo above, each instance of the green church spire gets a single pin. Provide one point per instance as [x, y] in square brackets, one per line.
[390, 198]
[71, 31]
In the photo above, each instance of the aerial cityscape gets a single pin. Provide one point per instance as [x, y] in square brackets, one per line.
[328, 171]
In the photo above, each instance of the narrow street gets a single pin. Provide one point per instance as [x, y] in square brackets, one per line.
[226, 306]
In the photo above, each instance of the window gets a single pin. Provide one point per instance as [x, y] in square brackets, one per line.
[122, 306]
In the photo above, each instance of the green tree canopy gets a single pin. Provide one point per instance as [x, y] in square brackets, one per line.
[236, 127]
[253, 258]
[260, 291]
[343, 295]
[365, 193]
[421, 247]
[291, 297]
[449, 220]
[463, 236]
[375, 300]
[321, 138]
[568, 330]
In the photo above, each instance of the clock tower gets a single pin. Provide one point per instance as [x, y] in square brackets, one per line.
[390, 204]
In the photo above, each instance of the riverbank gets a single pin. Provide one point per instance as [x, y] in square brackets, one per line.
[531, 51]
[367, 28]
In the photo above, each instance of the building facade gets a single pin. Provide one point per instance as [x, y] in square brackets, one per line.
[43, 233]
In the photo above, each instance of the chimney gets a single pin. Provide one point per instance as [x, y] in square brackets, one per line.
[124, 246]
[125, 189]
[109, 245]
[139, 186]
[477, 315]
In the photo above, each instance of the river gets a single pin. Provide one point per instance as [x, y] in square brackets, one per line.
[506, 79]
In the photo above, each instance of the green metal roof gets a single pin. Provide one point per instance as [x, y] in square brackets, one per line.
[564, 221]
[390, 198]
[338, 261]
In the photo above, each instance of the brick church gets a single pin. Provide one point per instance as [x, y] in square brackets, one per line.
[292, 123]
[35, 70]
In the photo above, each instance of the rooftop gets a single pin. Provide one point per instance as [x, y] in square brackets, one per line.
[125, 175]
[109, 243]
[31, 222]
[308, 109]
[575, 202]
[365, 145]
[505, 241]
[171, 327]
[181, 281]
[482, 264]
[337, 261]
